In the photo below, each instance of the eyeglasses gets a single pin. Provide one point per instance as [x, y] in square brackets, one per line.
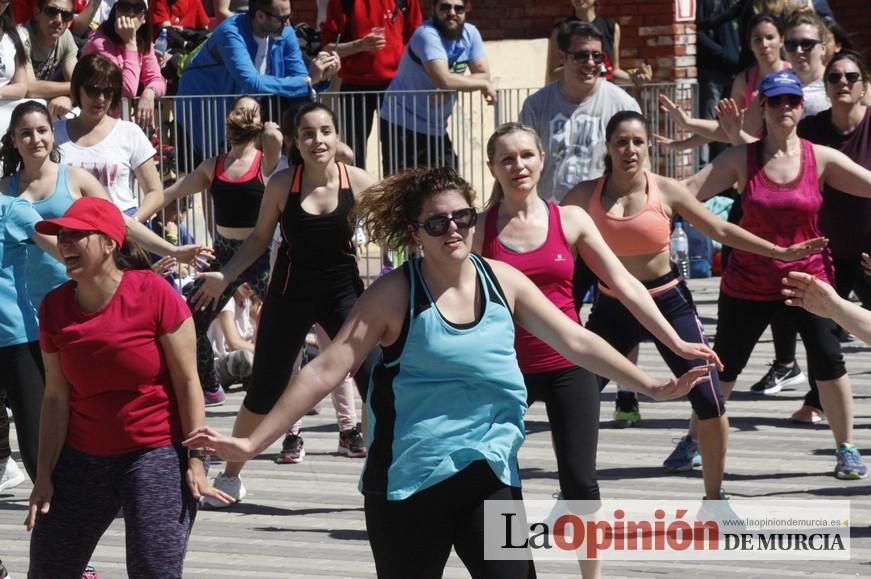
[457, 8]
[284, 20]
[73, 235]
[93, 91]
[127, 8]
[585, 55]
[438, 225]
[806, 44]
[776, 101]
[52, 11]
[835, 77]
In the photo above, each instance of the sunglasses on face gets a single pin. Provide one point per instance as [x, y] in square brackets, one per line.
[52, 11]
[93, 91]
[835, 77]
[806, 44]
[457, 8]
[438, 225]
[73, 235]
[793, 99]
[127, 8]
[585, 55]
[284, 20]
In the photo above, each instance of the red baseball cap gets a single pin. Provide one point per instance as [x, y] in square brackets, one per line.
[89, 214]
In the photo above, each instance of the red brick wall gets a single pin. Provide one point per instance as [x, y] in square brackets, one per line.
[853, 15]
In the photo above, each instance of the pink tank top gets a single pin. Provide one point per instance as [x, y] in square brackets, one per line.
[644, 233]
[783, 214]
[750, 78]
[550, 267]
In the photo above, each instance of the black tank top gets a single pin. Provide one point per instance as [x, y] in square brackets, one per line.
[317, 251]
[237, 201]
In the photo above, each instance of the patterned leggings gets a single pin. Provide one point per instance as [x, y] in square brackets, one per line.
[257, 276]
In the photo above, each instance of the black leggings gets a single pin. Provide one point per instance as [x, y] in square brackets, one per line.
[24, 383]
[849, 277]
[571, 397]
[413, 537]
[284, 322]
[740, 323]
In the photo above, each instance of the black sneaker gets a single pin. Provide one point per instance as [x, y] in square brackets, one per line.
[292, 450]
[4, 574]
[351, 443]
[777, 377]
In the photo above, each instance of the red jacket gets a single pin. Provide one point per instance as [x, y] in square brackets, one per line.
[186, 13]
[375, 68]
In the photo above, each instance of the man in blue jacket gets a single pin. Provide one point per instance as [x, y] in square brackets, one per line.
[255, 53]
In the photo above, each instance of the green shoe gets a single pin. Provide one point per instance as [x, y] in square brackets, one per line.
[626, 412]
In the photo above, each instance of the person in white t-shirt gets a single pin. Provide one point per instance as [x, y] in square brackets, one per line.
[13, 69]
[113, 150]
[232, 337]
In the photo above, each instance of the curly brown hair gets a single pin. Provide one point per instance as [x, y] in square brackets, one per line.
[389, 211]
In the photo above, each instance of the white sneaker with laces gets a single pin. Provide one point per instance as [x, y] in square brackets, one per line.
[10, 475]
[232, 485]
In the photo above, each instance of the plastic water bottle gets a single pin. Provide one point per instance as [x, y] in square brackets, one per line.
[680, 250]
[162, 44]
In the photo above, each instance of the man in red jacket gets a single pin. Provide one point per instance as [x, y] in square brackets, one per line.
[370, 37]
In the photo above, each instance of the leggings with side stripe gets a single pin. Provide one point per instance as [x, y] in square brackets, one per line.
[612, 321]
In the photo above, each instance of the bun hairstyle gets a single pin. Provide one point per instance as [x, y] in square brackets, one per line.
[10, 159]
[244, 128]
[389, 211]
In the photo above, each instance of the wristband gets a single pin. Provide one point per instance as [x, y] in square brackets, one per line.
[196, 453]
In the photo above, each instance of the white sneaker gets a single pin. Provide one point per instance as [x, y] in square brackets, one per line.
[232, 485]
[10, 475]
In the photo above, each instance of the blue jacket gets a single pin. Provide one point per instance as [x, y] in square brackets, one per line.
[224, 65]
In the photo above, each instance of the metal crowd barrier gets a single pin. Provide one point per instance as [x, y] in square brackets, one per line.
[192, 128]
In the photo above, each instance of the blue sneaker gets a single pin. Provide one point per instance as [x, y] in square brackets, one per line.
[850, 465]
[684, 457]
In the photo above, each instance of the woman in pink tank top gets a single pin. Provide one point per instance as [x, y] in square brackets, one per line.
[542, 240]
[632, 208]
[780, 178]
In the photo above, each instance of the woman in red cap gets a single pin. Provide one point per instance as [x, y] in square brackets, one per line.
[121, 392]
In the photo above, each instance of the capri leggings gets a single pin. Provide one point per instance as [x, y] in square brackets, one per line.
[414, 537]
[24, 384]
[257, 276]
[148, 486]
[285, 320]
[571, 397]
[612, 321]
[740, 323]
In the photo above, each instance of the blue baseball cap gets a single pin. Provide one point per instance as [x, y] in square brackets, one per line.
[782, 82]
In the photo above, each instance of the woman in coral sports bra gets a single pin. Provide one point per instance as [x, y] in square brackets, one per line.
[633, 209]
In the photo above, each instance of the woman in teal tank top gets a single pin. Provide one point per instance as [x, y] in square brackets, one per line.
[447, 399]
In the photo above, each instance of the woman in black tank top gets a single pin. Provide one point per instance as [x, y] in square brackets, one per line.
[236, 185]
[315, 278]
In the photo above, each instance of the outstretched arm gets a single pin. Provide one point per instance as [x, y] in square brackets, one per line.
[842, 173]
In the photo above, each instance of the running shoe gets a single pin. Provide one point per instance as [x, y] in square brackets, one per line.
[626, 412]
[90, 572]
[684, 457]
[850, 465]
[777, 377]
[351, 443]
[720, 511]
[214, 397]
[232, 485]
[292, 450]
[10, 476]
[807, 415]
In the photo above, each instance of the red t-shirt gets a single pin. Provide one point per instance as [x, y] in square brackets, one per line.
[121, 393]
[186, 13]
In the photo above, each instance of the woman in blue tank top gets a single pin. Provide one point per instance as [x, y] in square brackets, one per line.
[447, 399]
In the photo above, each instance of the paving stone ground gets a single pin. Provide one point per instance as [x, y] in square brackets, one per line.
[306, 520]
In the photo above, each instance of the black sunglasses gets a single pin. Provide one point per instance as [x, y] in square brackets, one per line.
[284, 20]
[74, 235]
[835, 77]
[93, 91]
[438, 225]
[457, 8]
[806, 44]
[793, 99]
[52, 11]
[127, 8]
[585, 55]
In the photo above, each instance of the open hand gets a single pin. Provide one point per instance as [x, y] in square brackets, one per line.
[677, 114]
[213, 442]
[802, 249]
[210, 291]
[698, 351]
[731, 118]
[40, 501]
[677, 387]
[199, 484]
[805, 291]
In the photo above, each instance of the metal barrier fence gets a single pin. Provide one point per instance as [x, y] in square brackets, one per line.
[441, 128]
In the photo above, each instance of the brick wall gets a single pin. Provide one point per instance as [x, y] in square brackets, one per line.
[853, 16]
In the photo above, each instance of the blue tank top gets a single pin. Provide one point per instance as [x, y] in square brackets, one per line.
[44, 273]
[445, 395]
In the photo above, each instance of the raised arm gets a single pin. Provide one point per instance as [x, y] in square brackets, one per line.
[726, 171]
[192, 183]
[682, 202]
[631, 292]
[534, 312]
[839, 171]
[370, 320]
[271, 141]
